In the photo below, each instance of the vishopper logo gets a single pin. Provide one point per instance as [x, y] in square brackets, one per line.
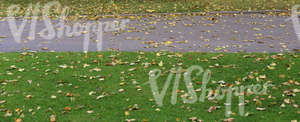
[190, 97]
[53, 31]
[295, 19]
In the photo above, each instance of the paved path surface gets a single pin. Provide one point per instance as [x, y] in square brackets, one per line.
[227, 33]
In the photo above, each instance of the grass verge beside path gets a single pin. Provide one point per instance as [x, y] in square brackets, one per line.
[108, 86]
[101, 7]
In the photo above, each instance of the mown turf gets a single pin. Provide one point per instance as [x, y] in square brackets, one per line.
[28, 80]
[101, 7]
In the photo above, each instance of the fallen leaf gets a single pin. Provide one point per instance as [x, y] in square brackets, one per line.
[68, 108]
[52, 118]
[2, 101]
[261, 109]
[18, 120]
[90, 111]
[160, 64]
[150, 10]
[121, 90]
[228, 120]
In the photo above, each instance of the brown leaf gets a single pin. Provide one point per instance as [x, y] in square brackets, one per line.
[68, 108]
[18, 120]
[211, 108]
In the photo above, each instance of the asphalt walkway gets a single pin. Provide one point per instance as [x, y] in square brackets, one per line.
[226, 33]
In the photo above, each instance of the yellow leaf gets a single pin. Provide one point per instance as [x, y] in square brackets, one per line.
[169, 42]
[150, 10]
[160, 64]
[131, 17]
[127, 113]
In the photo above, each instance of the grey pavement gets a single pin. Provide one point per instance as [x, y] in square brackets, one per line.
[226, 33]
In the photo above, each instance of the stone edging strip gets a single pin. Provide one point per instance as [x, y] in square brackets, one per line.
[184, 14]
[203, 13]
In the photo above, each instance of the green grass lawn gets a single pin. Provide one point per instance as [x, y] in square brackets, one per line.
[101, 7]
[106, 86]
